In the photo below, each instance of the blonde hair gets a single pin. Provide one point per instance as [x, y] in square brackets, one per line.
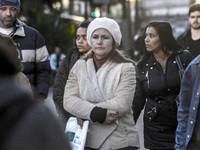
[115, 55]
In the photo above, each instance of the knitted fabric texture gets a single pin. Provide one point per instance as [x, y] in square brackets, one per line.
[12, 3]
[105, 23]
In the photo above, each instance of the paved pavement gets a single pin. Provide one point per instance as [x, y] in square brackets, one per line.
[50, 104]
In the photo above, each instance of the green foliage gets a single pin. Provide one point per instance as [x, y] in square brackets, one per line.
[56, 31]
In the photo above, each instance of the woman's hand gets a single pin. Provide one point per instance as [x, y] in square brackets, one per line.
[111, 116]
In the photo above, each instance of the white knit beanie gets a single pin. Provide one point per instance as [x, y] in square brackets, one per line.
[105, 23]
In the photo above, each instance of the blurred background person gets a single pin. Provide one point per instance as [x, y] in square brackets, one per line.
[55, 61]
[33, 51]
[139, 45]
[100, 88]
[190, 40]
[25, 124]
[80, 47]
[157, 88]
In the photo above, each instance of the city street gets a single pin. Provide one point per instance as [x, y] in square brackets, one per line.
[50, 104]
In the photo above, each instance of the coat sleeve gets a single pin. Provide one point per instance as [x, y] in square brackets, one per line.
[139, 99]
[185, 97]
[186, 57]
[58, 90]
[72, 102]
[124, 94]
[43, 69]
[24, 82]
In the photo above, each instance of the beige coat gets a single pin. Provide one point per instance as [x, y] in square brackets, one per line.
[23, 81]
[111, 87]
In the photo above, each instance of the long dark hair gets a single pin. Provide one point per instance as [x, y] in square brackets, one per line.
[165, 33]
[168, 42]
[74, 48]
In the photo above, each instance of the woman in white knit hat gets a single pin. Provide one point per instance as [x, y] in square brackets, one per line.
[100, 89]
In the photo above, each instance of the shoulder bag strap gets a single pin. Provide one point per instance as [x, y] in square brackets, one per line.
[180, 66]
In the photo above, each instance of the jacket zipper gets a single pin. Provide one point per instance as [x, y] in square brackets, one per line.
[147, 76]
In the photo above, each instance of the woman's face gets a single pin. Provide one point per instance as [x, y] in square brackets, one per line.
[102, 43]
[81, 40]
[152, 40]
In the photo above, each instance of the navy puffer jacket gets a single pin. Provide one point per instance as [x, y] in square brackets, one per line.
[35, 58]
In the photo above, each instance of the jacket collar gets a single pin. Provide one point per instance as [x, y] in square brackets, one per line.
[152, 61]
[177, 52]
[185, 35]
[20, 29]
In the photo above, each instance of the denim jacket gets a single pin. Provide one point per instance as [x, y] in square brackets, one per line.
[189, 103]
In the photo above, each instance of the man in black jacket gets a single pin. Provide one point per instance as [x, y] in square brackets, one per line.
[190, 40]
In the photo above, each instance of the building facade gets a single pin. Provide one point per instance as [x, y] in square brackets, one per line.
[134, 14]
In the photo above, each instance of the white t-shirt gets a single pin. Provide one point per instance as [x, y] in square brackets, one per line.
[6, 31]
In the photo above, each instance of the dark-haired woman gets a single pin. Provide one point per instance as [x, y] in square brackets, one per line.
[80, 47]
[158, 84]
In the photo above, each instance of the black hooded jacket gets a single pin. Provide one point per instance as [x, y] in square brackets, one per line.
[186, 42]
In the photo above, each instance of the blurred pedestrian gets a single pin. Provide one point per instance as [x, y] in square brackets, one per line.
[188, 130]
[80, 47]
[190, 40]
[139, 45]
[25, 123]
[100, 88]
[8, 45]
[31, 45]
[157, 88]
[55, 61]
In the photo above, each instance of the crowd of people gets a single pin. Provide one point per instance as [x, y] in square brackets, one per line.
[95, 81]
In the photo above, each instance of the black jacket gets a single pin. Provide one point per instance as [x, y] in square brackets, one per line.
[60, 81]
[158, 91]
[186, 42]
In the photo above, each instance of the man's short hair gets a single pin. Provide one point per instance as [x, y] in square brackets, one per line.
[194, 7]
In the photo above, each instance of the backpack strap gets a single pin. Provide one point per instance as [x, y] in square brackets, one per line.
[180, 66]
